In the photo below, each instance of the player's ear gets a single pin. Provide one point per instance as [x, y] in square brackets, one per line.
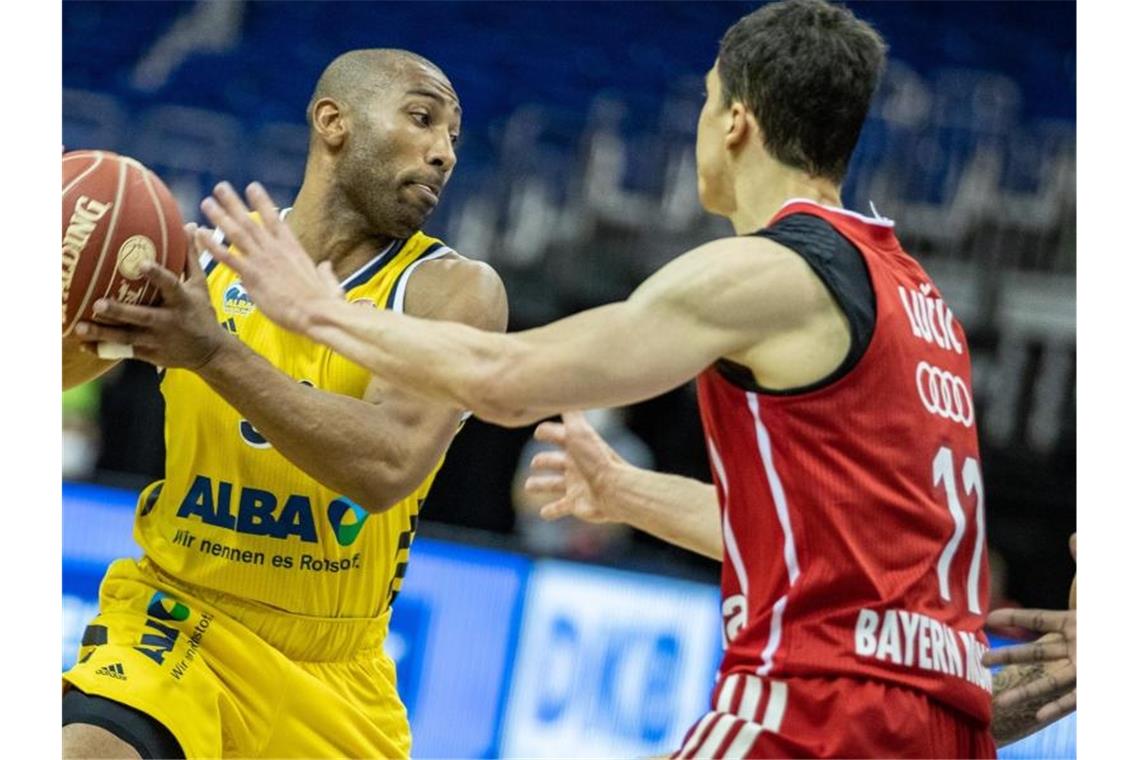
[328, 122]
[739, 125]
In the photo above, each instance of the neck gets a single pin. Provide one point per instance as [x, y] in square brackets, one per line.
[760, 194]
[330, 229]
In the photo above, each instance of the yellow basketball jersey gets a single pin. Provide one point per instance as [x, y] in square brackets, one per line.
[235, 516]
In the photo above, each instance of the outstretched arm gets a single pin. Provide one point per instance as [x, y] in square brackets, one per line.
[588, 480]
[374, 449]
[717, 300]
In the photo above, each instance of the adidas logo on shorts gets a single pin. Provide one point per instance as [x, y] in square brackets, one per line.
[114, 671]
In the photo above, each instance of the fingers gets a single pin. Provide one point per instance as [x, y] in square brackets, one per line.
[193, 268]
[127, 314]
[1037, 651]
[1047, 684]
[1041, 621]
[549, 460]
[260, 202]
[577, 424]
[208, 242]
[232, 203]
[92, 333]
[556, 509]
[544, 485]
[166, 281]
[590, 451]
[551, 432]
[190, 228]
[230, 226]
[1058, 708]
[227, 212]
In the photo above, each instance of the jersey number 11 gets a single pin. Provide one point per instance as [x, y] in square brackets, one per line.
[972, 483]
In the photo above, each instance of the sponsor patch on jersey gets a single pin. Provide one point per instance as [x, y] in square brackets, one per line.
[347, 519]
[164, 607]
[236, 301]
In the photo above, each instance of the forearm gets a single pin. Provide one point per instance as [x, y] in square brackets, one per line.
[319, 432]
[598, 358]
[676, 509]
[448, 362]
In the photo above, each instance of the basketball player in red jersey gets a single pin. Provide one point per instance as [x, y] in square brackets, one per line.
[835, 393]
[588, 480]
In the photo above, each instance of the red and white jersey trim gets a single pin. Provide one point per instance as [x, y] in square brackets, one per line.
[730, 545]
[791, 561]
[881, 221]
[745, 707]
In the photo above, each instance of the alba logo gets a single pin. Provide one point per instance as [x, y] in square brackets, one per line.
[159, 637]
[163, 607]
[339, 509]
[236, 301]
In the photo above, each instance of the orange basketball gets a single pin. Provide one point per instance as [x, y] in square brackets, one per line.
[116, 215]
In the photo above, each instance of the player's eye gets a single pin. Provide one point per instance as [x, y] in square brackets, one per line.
[454, 139]
[423, 118]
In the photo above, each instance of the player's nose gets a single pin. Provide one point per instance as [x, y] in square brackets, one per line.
[442, 152]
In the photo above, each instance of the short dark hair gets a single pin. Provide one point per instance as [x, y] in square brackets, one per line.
[807, 69]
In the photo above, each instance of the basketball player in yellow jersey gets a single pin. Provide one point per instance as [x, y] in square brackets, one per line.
[253, 624]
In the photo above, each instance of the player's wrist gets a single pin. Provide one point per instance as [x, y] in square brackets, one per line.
[309, 317]
[221, 358]
[611, 486]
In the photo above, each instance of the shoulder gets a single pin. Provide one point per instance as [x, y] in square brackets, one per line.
[728, 267]
[455, 288]
[740, 253]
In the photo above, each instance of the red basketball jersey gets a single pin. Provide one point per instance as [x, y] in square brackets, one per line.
[853, 514]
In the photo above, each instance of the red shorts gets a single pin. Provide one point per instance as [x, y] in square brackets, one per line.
[830, 717]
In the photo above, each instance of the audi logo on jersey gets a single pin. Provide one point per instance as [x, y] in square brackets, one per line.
[944, 394]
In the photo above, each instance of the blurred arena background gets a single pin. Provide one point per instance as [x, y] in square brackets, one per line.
[576, 179]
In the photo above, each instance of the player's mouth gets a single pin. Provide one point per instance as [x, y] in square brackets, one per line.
[428, 194]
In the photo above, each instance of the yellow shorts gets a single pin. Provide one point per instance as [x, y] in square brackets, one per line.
[231, 679]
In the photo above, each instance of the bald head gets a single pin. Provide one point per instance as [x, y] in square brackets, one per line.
[359, 74]
[383, 126]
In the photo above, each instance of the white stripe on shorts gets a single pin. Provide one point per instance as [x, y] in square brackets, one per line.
[720, 730]
[777, 701]
[753, 690]
[743, 742]
[695, 737]
[727, 693]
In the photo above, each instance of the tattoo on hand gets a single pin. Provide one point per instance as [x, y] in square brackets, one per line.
[1015, 721]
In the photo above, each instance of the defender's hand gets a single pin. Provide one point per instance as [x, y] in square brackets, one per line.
[1056, 652]
[280, 277]
[182, 331]
[576, 474]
